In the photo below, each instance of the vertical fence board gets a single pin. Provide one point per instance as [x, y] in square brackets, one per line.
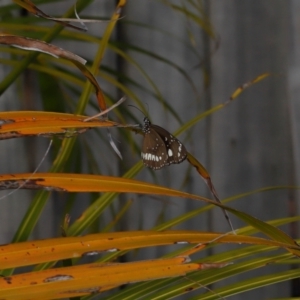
[248, 145]
[251, 140]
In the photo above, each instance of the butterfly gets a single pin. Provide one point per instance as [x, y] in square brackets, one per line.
[160, 148]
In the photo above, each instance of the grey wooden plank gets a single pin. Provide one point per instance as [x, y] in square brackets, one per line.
[245, 146]
[251, 140]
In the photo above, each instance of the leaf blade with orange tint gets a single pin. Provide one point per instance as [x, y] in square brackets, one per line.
[54, 283]
[30, 123]
[40, 251]
[96, 183]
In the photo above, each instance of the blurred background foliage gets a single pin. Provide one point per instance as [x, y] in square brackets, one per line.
[174, 60]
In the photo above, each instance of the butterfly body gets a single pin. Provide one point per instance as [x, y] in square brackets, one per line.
[160, 148]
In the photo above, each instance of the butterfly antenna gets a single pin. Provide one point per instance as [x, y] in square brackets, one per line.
[147, 109]
[137, 109]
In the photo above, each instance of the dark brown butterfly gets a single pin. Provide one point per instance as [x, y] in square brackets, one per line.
[160, 147]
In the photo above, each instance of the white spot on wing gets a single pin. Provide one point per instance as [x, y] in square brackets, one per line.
[170, 152]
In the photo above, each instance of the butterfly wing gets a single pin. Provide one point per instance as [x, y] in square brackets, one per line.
[154, 153]
[161, 148]
[175, 149]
